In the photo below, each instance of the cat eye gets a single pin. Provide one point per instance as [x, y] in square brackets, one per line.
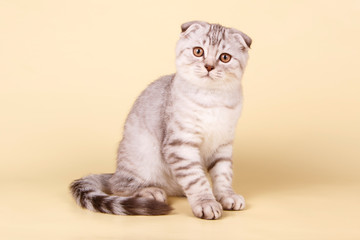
[198, 52]
[225, 57]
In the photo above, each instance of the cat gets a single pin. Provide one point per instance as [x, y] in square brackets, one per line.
[181, 126]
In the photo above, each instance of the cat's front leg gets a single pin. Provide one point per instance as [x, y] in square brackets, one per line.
[220, 170]
[184, 160]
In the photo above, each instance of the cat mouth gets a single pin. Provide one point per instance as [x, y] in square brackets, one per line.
[207, 76]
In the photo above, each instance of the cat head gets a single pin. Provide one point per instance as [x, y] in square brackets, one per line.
[211, 55]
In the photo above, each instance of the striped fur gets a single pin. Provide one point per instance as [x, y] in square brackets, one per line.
[92, 192]
[181, 126]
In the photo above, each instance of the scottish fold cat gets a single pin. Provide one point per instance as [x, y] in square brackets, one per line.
[180, 127]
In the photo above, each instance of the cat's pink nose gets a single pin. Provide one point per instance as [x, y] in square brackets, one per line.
[209, 67]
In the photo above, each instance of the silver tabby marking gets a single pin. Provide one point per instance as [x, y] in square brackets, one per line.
[181, 126]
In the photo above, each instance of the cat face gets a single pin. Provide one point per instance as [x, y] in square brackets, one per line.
[211, 55]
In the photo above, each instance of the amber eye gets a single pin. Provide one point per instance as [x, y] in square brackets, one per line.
[198, 51]
[225, 58]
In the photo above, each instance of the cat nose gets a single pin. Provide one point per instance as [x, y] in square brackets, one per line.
[209, 67]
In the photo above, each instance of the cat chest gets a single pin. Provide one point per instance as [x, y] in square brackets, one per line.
[218, 127]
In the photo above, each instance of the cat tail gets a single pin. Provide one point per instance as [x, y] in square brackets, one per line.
[90, 192]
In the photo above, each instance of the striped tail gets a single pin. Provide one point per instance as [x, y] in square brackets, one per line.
[90, 192]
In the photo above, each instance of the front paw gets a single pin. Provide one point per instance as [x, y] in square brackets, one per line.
[232, 202]
[207, 209]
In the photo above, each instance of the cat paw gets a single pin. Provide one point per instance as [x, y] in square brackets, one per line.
[153, 193]
[208, 209]
[232, 202]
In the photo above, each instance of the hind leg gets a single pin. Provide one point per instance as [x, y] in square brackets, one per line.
[137, 174]
[155, 193]
[133, 186]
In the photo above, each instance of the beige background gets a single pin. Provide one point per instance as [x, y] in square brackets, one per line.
[70, 71]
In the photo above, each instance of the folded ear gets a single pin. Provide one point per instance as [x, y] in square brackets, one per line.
[192, 26]
[242, 37]
[247, 39]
